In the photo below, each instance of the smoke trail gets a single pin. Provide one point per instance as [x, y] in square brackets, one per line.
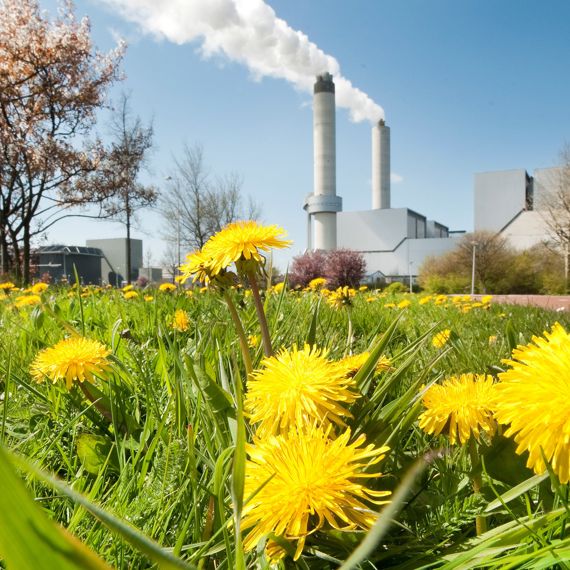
[248, 31]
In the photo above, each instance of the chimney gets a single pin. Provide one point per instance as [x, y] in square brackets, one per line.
[380, 166]
[323, 204]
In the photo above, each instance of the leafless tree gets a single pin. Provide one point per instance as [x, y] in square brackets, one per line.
[194, 206]
[52, 82]
[117, 178]
[554, 206]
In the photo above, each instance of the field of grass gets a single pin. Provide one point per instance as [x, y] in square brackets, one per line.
[153, 457]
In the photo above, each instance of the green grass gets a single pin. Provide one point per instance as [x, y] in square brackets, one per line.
[170, 463]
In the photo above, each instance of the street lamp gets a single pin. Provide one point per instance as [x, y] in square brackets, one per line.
[474, 244]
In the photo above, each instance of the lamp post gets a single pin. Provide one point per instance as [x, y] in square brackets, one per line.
[474, 244]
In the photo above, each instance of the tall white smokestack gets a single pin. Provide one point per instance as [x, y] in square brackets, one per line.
[323, 204]
[380, 166]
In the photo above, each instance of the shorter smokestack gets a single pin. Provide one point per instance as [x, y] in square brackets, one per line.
[380, 166]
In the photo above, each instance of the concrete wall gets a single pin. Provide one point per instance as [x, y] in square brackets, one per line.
[387, 239]
[499, 197]
[526, 230]
[114, 264]
[546, 182]
[372, 230]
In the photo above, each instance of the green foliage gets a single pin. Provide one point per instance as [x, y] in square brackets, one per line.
[163, 474]
[499, 269]
[395, 288]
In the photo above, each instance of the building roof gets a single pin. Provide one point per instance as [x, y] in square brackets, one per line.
[71, 249]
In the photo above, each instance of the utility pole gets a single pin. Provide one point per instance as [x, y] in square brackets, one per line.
[474, 244]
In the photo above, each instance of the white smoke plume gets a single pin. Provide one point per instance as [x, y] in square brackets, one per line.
[249, 32]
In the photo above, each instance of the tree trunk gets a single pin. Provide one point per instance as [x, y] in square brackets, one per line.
[566, 253]
[26, 256]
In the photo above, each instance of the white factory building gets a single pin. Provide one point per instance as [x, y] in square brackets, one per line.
[518, 204]
[394, 241]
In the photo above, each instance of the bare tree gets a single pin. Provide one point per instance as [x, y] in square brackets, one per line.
[195, 207]
[118, 176]
[554, 206]
[51, 84]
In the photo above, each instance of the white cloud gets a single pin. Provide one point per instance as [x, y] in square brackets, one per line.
[395, 178]
[249, 32]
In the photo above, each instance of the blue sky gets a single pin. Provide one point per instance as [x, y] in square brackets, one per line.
[466, 86]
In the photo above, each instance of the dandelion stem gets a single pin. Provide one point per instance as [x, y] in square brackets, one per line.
[477, 480]
[96, 402]
[265, 336]
[349, 339]
[240, 332]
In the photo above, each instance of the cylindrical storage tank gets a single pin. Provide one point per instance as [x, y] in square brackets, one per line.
[380, 166]
[324, 148]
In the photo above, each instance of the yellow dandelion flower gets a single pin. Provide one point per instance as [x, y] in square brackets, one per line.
[39, 287]
[243, 241]
[253, 341]
[404, 304]
[441, 338]
[167, 287]
[352, 364]
[197, 265]
[389, 305]
[461, 406]
[340, 297]
[363, 288]
[148, 298]
[71, 359]
[127, 288]
[181, 321]
[274, 552]
[295, 387]
[302, 480]
[189, 293]
[533, 396]
[7, 286]
[425, 300]
[278, 287]
[27, 301]
[486, 299]
[130, 294]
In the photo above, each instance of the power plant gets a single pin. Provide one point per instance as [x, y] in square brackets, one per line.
[394, 241]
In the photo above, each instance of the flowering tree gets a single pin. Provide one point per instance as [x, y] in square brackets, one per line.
[306, 267]
[51, 83]
[344, 267]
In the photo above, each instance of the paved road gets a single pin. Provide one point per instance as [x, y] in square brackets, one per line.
[555, 303]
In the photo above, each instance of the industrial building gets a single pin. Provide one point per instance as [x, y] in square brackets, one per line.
[114, 260]
[394, 241]
[518, 204]
[61, 262]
